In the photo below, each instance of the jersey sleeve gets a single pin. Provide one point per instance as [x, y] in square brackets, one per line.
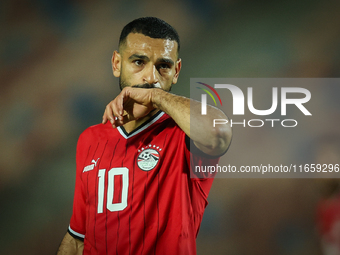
[200, 163]
[201, 182]
[77, 227]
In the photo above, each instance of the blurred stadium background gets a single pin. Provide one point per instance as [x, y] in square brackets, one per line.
[56, 78]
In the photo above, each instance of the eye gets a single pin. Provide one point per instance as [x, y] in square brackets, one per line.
[164, 66]
[138, 62]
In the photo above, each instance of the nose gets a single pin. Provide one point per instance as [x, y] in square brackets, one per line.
[150, 74]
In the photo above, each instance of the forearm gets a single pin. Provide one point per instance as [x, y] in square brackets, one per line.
[211, 140]
[70, 246]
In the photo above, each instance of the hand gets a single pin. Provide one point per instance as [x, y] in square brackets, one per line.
[131, 104]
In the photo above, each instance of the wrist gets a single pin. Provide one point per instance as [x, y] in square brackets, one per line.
[156, 97]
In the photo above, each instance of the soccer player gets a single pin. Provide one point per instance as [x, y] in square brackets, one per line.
[134, 191]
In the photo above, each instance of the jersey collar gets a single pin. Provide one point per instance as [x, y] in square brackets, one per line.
[142, 127]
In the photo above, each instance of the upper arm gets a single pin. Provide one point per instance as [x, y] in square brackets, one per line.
[219, 145]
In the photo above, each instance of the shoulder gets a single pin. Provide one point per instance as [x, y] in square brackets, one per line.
[166, 123]
[97, 131]
[165, 119]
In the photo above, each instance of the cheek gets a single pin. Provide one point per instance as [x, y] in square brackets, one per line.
[170, 76]
[167, 75]
[166, 85]
[128, 75]
[132, 71]
[132, 79]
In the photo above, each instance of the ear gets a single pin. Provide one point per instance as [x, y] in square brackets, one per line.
[116, 63]
[178, 67]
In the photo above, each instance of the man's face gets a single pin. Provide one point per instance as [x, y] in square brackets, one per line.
[147, 62]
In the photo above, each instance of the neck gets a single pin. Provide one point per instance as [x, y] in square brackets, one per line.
[132, 125]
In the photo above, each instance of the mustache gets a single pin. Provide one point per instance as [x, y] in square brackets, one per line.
[145, 86]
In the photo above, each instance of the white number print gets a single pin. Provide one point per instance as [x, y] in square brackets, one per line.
[113, 207]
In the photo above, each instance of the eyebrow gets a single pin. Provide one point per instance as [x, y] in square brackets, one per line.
[143, 57]
[134, 56]
[166, 60]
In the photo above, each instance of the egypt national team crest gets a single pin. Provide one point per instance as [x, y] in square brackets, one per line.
[148, 157]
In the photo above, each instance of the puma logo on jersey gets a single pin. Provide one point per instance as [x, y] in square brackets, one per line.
[92, 166]
[95, 162]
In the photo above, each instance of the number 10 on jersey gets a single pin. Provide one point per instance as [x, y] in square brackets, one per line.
[110, 189]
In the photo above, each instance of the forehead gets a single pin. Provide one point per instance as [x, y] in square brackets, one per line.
[137, 43]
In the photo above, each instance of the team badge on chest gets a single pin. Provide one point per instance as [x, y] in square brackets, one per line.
[148, 157]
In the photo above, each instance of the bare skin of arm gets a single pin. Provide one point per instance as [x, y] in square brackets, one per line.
[70, 246]
[131, 106]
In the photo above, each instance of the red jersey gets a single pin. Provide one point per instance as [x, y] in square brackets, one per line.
[328, 219]
[133, 192]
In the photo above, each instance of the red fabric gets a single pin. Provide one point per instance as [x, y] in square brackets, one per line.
[328, 218]
[164, 205]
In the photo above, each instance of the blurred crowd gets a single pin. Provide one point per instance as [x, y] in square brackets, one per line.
[56, 78]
